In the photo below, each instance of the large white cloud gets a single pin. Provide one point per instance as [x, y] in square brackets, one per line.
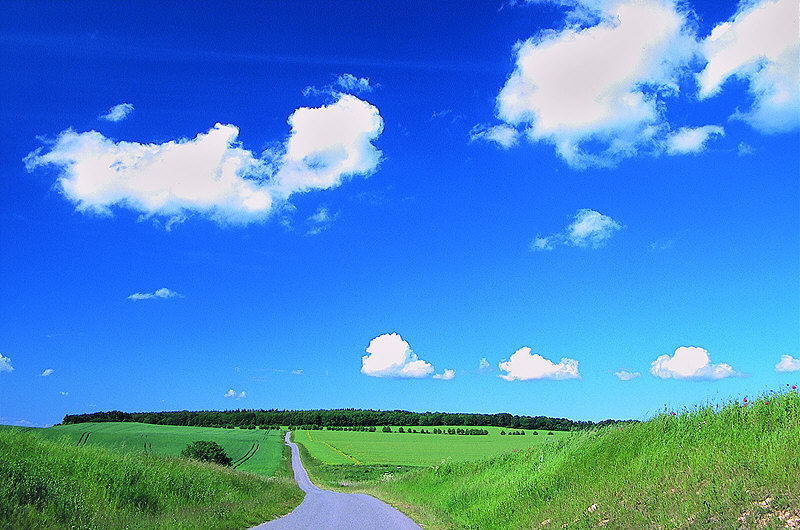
[212, 174]
[588, 229]
[602, 83]
[5, 364]
[760, 44]
[788, 364]
[524, 366]
[690, 362]
[390, 356]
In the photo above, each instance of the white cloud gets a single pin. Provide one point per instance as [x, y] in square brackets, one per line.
[524, 366]
[232, 394]
[297, 372]
[211, 174]
[690, 363]
[502, 135]
[64, 393]
[588, 229]
[163, 293]
[788, 364]
[760, 44]
[625, 375]
[745, 149]
[320, 221]
[390, 356]
[447, 375]
[691, 139]
[354, 84]
[5, 364]
[47, 372]
[117, 112]
[596, 93]
[484, 366]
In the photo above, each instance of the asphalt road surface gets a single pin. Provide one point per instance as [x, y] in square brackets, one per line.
[333, 510]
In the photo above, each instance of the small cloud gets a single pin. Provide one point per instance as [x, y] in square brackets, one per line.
[745, 149]
[163, 293]
[64, 393]
[320, 221]
[446, 376]
[354, 84]
[624, 375]
[661, 244]
[788, 364]
[692, 139]
[690, 363]
[390, 356]
[588, 229]
[297, 372]
[503, 135]
[524, 366]
[232, 394]
[47, 372]
[117, 113]
[484, 366]
[5, 364]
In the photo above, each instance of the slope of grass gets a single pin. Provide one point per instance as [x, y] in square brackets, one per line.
[254, 450]
[56, 484]
[714, 467]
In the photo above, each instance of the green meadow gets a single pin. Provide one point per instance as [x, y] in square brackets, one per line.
[252, 450]
[54, 479]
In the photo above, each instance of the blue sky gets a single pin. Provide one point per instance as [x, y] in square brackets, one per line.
[573, 209]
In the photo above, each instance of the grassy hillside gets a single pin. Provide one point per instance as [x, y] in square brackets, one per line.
[256, 451]
[715, 467]
[48, 483]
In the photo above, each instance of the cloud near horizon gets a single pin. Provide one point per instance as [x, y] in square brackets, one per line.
[691, 363]
[390, 356]
[588, 229]
[232, 394]
[787, 364]
[598, 90]
[212, 174]
[162, 293]
[524, 367]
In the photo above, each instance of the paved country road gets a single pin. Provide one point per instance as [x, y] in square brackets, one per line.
[332, 509]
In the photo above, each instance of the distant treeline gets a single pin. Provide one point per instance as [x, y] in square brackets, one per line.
[334, 418]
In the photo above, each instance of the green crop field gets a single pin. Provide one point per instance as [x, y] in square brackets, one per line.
[252, 450]
[414, 449]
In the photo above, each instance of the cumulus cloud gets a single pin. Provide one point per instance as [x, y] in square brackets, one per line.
[163, 293]
[502, 135]
[447, 375]
[761, 45]
[788, 364]
[691, 139]
[390, 356]
[117, 112]
[691, 363]
[232, 394]
[5, 364]
[595, 93]
[588, 229]
[212, 174]
[625, 375]
[47, 372]
[484, 366]
[354, 84]
[524, 366]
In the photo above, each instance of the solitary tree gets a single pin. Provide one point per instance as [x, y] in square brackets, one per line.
[207, 451]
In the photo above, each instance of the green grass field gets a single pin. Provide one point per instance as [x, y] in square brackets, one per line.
[252, 450]
[53, 483]
[732, 466]
[413, 449]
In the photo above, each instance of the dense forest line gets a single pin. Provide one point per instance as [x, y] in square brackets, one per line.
[334, 418]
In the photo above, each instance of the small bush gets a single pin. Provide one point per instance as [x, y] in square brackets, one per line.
[207, 451]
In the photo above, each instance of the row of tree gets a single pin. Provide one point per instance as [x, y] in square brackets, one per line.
[333, 418]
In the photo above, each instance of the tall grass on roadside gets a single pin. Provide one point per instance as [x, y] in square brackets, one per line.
[54, 484]
[732, 466]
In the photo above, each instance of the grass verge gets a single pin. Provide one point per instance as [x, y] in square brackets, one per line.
[55, 484]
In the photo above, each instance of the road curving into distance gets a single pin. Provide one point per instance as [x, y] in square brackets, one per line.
[335, 510]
